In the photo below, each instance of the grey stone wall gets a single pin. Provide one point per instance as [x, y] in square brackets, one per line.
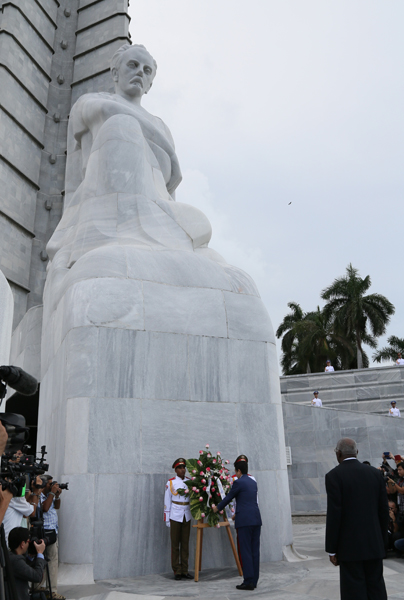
[312, 434]
[51, 52]
[365, 390]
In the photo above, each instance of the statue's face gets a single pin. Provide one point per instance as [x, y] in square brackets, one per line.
[135, 74]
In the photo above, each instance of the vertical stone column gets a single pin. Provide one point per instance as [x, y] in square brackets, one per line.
[6, 319]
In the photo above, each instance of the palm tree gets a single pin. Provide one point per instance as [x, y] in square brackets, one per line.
[320, 341]
[390, 352]
[353, 313]
[290, 342]
[309, 339]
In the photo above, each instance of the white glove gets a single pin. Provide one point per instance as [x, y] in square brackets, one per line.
[168, 523]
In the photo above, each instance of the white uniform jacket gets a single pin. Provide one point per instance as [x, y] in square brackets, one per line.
[176, 506]
[394, 412]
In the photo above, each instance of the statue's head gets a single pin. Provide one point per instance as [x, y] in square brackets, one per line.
[133, 70]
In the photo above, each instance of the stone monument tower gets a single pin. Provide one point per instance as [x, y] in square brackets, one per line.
[152, 344]
[51, 52]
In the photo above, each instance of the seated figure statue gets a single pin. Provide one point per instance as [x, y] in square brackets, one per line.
[121, 176]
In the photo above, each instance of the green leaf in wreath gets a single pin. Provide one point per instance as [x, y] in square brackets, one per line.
[192, 465]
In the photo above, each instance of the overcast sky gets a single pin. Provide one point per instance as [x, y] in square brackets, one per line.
[277, 101]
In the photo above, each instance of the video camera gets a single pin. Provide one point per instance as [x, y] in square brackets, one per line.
[14, 472]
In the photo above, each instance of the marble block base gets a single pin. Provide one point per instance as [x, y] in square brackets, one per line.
[160, 354]
[6, 319]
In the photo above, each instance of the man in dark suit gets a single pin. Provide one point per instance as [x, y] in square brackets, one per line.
[248, 523]
[357, 524]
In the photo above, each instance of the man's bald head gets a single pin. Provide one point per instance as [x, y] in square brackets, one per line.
[346, 448]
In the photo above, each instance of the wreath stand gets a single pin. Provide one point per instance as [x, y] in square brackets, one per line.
[199, 539]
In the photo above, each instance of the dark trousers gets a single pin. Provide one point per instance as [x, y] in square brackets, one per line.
[362, 580]
[179, 533]
[249, 540]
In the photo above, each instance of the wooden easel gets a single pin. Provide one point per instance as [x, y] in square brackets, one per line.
[199, 539]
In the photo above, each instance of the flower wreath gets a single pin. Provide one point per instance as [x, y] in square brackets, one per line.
[209, 482]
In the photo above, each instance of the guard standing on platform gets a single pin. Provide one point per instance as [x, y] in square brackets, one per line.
[177, 516]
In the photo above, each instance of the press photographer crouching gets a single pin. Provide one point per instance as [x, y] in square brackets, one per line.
[25, 567]
[50, 503]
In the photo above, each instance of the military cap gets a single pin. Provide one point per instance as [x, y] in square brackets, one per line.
[241, 458]
[178, 462]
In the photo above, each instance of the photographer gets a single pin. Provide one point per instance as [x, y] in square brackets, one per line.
[50, 501]
[25, 569]
[19, 508]
[398, 487]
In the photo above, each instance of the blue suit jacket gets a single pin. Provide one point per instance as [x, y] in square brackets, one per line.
[247, 511]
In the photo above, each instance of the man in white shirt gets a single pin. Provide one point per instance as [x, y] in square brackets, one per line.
[20, 508]
[316, 400]
[177, 516]
[394, 412]
[399, 361]
[329, 368]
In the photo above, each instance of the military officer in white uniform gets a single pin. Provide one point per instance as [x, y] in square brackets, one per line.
[316, 400]
[394, 412]
[177, 516]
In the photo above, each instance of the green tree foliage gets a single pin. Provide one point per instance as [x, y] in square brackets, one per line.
[349, 319]
[309, 340]
[354, 313]
[390, 352]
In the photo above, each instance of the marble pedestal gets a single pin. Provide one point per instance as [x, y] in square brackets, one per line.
[162, 352]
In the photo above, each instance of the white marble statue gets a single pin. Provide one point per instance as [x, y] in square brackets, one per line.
[152, 344]
[122, 172]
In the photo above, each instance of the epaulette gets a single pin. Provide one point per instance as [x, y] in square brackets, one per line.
[171, 479]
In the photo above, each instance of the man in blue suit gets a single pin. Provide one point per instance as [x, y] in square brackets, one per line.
[248, 523]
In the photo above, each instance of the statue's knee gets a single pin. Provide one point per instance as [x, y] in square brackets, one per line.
[120, 127]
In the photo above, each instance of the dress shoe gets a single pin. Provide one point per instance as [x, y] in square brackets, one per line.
[187, 576]
[245, 586]
[177, 577]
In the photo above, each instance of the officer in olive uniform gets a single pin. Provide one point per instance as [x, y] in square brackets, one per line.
[177, 516]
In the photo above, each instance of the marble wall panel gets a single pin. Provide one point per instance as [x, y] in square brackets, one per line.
[248, 318]
[181, 418]
[77, 432]
[101, 33]
[209, 369]
[274, 386]
[11, 21]
[304, 470]
[268, 495]
[266, 444]
[142, 365]
[76, 543]
[297, 383]
[184, 310]
[115, 435]
[19, 148]
[81, 367]
[365, 393]
[96, 12]
[365, 376]
[249, 377]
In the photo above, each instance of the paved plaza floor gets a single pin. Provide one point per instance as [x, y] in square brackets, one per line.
[315, 579]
